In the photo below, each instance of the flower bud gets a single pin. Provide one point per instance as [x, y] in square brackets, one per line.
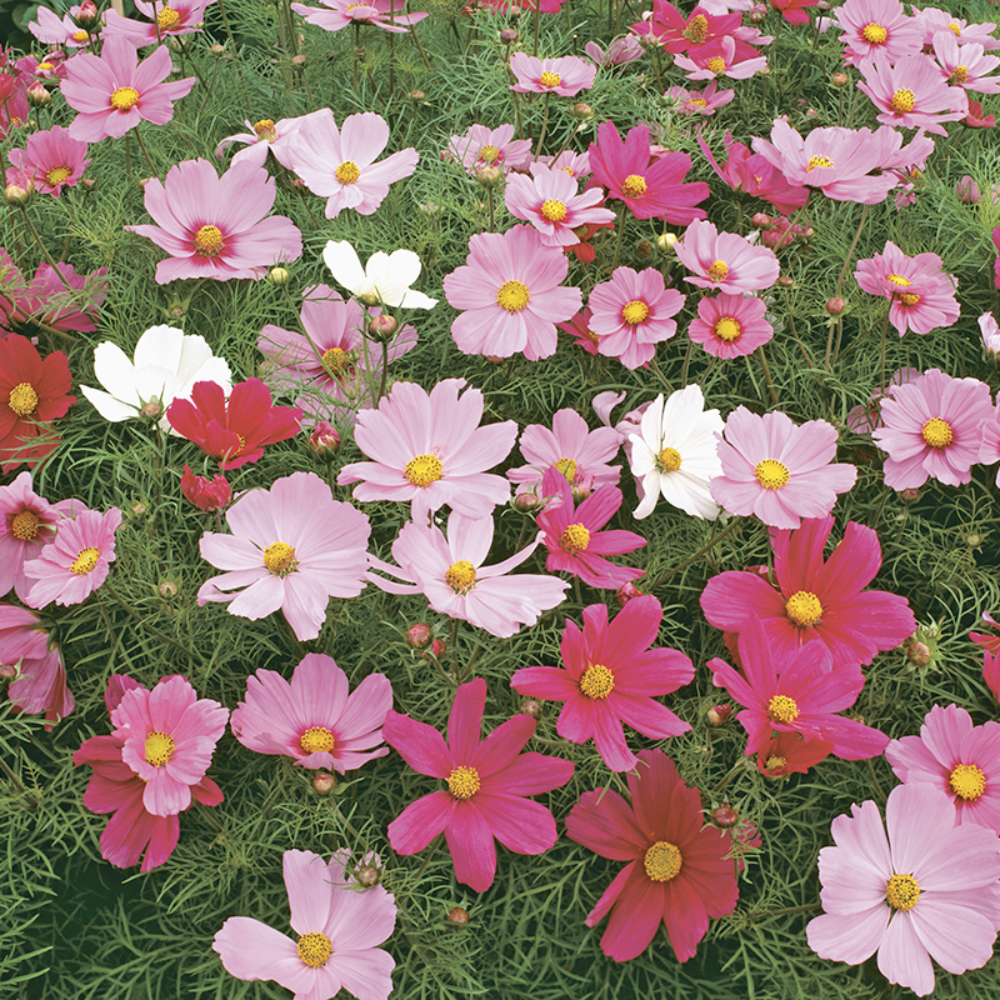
[966, 189]
[725, 817]
[87, 15]
[525, 502]
[217, 50]
[761, 220]
[417, 636]
[7, 670]
[140, 508]
[324, 440]
[323, 782]
[494, 359]
[909, 495]
[918, 653]
[89, 182]
[437, 650]
[582, 111]
[19, 194]
[758, 13]
[839, 79]
[665, 243]
[204, 494]
[38, 96]
[766, 71]
[152, 409]
[786, 282]
[508, 36]
[458, 916]
[168, 588]
[278, 275]
[418, 96]
[531, 707]
[580, 492]
[823, 6]
[430, 209]
[718, 715]
[368, 875]
[835, 306]
[810, 112]
[643, 250]
[974, 540]
[299, 60]
[628, 592]
[489, 176]
[383, 326]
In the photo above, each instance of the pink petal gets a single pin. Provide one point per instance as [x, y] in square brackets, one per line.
[470, 841]
[305, 877]
[420, 822]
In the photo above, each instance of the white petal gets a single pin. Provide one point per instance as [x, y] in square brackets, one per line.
[160, 346]
[115, 371]
[108, 407]
[342, 260]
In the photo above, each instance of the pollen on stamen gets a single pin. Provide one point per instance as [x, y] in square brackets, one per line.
[549, 79]
[208, 241]
[937, 432]
[57, 175]
[960, 74]
[23, 399]
[727, 329]
[718, 270]
[804, 609]
[513, 296]
[903, 101]
[463, 782]
[81, 37]
[717, 65]
[902, 892]
[782, 709]
[663, 861]
[634, 186]
[567, 466]
[669, 460]
[85, 562]
[279, 558]
[461, 576]
[24, 526]
[697, 29]
[967, 782]
[264, 130]
[575, 538]
[635, 312]
[553, 210]
[898, 279]
[422, 470]
[317, 739]
[771, 474]
[315, 949]
[159, 749]
[125, 98]
[597, 681]
[336, 361]
[167, 19]
[874, 34]
[348, 172]
[818, 161]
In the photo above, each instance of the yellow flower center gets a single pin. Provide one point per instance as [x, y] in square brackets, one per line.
[513, 296]
[549, 79]
[315, 949]
[567, 467]
[898, 279]
[937, 432]
[23, 399]
[125, 98]
[574, 539]
[874, 34]
[423, 470]
[208, 241]
[80, 36]
[959, 74]
[489, 154]
[728, 329]
[669, 460]
[634, 186]
[782, 709]
[159, 749]
[348, 172]
[967, 782]
[773, 763]
[818, 161]
[804, 608]
[700, 101]
[45, 66]
[718, 270]
[336, 361]
[635, 312]
[463, 782]
[461, 576]
[265, 129]
[717, 65]
[85, 562]
[902, 892]
[955, 29]
[909, 299]
[697, 28]
[663, 861]
[771, 474]
[318, 739]
[553, 210]
[24, 526]
[903, 101]
[167, 18]
[597, 681]
[279, 558]
[57, 175]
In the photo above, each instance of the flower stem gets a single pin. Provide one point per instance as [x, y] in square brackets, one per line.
[545, 125]
[728, 530]
[149, 628]
[762, 357]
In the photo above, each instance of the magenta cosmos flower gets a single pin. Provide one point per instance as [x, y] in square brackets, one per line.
[112, 93]
[631, 314]
[215, 227]
[815, 599]
[650, 188]
[875, 28]
[566, 76]
[168, 736]
[957, 757]
[678, 872]
[752, 174]
[932, 428]
[725, 261]
[928, 891]
[912, 93]
[509, 294]
[315, 719]
[488, 782]
[429, 449]
[610, 676]
[779, 471]
[385, 14]
[574, 538]
[921, 294]
[338, 928]
[28, 655]
[731, 326]
[484, 147]
[798, 692]
[292, 547]
[450, 573]
[53, 159]
[549, 201]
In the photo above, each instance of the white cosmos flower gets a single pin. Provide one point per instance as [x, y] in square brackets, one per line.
[385, 279]
[165, 366]
[675, 454]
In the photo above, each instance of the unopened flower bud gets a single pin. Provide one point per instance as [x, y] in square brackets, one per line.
[368, 875]
[718, 715]
[508, 36]
[665, 242]
[168, 588]
[839, 79]
[383, 326]
[86, 16]
[580, 492]
[217, 50]
[974, 540]
[758, 13]
[531, 707]
[786, 282]
[525, 502]
[458, 916]
[7, 670]
[323, 782]
[582, 111]
[765, 71]
[205, 494]
[299, 60]
[278, 275]
[643, 250]
[324, 440]
[152, 409]
[966, 189]
[918, 653]
[437, 650]
[140, 508]
[835, 305]
[38, 96]
[810, 112]
[494, 359]
[430, 209]
[725, 817]
[823, 6]
[489, 176]
[909, 495]
[628, 592]
[418, 96]
[417, 636]
[18, 194]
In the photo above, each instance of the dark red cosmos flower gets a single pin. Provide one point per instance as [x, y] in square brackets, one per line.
[33, 391]
[233, 431]
[976, 119]
[206, 494]
[791, 753]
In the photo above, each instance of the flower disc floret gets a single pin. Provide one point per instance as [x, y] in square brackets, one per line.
[782, 709]
[279, 558]
[208, 241]
[717, 65]
[804, 609]
[85, 562]
[967, 781]
[874, 34]
[567, 466]
[902, 892]
[159, 748]
[317, 739]
[903, 101]
[424, 470]
[24, 526]
[771, 474]
[818, 161]
[513, 296]
[461, 576]
[937, 432]
[635, 312]
[125, 98]
[315, 949]
[727, 329]
[718, 270]
[549, 79]
[553, 210]
[463, 782]
[23, 399]
[348, 172]
[597, 681]
[663, 861]
[634, 186]
[57, 175]
[167, 18]
[669, 460]
[574, 538]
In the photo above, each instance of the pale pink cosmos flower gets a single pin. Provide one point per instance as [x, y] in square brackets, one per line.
[114, 92]
[314, 718]
[719, 58]
[725, 261]
[53, 30]
[450, 573]
[875, 28]
[338, 929]
[215, 227]
[428, 448]
[731, 326]
[292, 548]
[566, 76]
[864, 419]
[569, 161]
[548, 199]
[933, 429]
[912, 94]
[339, 164]
[965, 66]
[342, 13]
[484, 147]
[165, 18]
[990, 331]
[779, 471]
[269, 136]
[933, 20]
[34, 662]
[703, 102]
[169, 736]
[53, 159]
[631, 314]
[510, 295]
[620, 51]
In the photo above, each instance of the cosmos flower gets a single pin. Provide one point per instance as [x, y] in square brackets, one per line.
[911, 93]
[384, 14]
[484, 147]
[695, 102]
[53, 159]
[966, 65]
[725, 261]
[30, 657]
[566, 76]
[164, 20]
[790, 753]
[53, 30]
[731, 326]
[752, 174]
[720, 58]
[278, 138]
[875, 28]
[384, 280]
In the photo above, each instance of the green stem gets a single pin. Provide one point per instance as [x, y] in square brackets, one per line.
[728, 530]
[149, 628]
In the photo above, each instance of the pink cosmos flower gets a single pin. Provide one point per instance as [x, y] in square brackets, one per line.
[725, 261]
[53, 159]
[875, 28]
[789, 753]
[385, 14]
[813, 598]
[579, 453]
[165, 19]
[928, 891]
[678, 32]
[268, 136]
[990, 330]
[921, 294]
[650, 188]
[312, 718]
[960, 759]
[579, 327]
[549, 201]
[483, 147]
[566, 76]
[779, 471]
[450, 573]
[488, 782]
[338, 929]
[429, 449]
[794, 11]
[113, 93]
[678, 873]
[569, 162]
[510, 294]
[208, 495]
[215, 227]
[989, 448]
[53, 30]
[720, 58]
[574, 538]
[77, 562]
[33, 660]
[610, 676]
[912, 94]
[798, 692]
[991, 672]
[292, 547]
[631, 314]
[695, 102]
[620, 51]
[754, 175]
[933, 20]
[932, 429]
[989, 643]
[731, 326]
[965, 66]
[976, 119]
